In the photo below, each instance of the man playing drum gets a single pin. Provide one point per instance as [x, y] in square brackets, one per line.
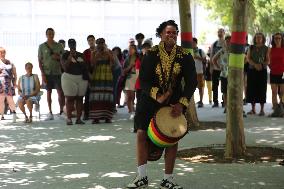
[161, 74]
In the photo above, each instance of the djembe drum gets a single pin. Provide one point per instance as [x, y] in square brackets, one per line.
[164, 131]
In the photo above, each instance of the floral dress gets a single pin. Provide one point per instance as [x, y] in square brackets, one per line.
[6, 78]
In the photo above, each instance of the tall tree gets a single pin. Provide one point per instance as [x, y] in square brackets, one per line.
[186, 42]
[235, 138]
[265, 15]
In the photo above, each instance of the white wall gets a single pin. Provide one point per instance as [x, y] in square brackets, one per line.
[23, 23]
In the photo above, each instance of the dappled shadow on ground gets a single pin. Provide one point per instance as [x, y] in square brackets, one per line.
[215, 154]
[209, 125]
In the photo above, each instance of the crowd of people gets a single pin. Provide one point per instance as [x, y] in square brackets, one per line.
[213, 69]
[89, 84]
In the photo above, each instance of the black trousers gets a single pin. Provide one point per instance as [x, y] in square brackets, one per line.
[215, 85]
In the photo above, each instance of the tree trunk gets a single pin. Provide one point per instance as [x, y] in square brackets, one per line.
[186, 42]
[235, 138]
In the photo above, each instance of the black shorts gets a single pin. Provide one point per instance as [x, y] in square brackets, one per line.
[224, 84]
[145, 110]
[276, 79]
[53, 82]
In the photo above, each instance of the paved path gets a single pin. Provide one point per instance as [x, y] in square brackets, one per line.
[51, 155]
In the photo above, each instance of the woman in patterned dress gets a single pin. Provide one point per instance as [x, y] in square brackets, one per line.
[8, 78]
[101, 84]
[258, 59]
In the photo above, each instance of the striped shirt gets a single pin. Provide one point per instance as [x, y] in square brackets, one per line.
[28, 84]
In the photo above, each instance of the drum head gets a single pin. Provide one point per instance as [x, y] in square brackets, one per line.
[170, 126]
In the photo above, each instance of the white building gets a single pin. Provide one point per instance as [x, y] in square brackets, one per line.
[23, 23]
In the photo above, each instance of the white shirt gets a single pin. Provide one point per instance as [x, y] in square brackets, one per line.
[198, 63]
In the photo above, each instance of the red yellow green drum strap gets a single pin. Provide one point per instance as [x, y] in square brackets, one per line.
[156, 140]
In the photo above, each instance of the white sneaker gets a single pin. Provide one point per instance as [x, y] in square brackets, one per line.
[131, 117]
[49, 117]
[14, 117]
[169, 184]
[138, 183]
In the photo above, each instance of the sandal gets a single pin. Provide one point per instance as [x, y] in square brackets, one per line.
[80, 122]
[252, 112]
[30, 120]
[26, 119]
[69, 122]
[95, 121]
[108, 121]
[261, 113]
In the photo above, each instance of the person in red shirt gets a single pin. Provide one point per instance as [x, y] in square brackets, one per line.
[87, 56]
[277, 67]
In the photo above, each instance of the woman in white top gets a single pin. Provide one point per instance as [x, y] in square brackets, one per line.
[28, 87]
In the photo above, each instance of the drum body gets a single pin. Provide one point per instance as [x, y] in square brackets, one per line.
[165, 130]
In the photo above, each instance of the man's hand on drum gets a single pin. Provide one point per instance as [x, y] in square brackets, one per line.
[162, 97]
[177, 109]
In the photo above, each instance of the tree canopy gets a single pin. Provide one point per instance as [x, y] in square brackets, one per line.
[265, 15]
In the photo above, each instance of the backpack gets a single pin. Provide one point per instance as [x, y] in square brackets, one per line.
[215, 48]
[204, 62]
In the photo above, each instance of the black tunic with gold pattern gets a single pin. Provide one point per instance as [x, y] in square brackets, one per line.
[161, 71]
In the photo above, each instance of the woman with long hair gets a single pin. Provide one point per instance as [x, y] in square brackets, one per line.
[118, 84]
[130, 73]
[277, 67]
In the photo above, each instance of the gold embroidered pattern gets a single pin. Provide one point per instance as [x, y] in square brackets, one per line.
[153, 93]
[176, 69]
[154, 48]
[184, 101]
[166, 61]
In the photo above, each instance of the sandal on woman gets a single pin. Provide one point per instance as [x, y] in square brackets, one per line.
[26, 119]
[252, 112]
[95, 121]
[69, 122]
[30, 120]
[108, 121]
[261, 113]
[80, 122]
